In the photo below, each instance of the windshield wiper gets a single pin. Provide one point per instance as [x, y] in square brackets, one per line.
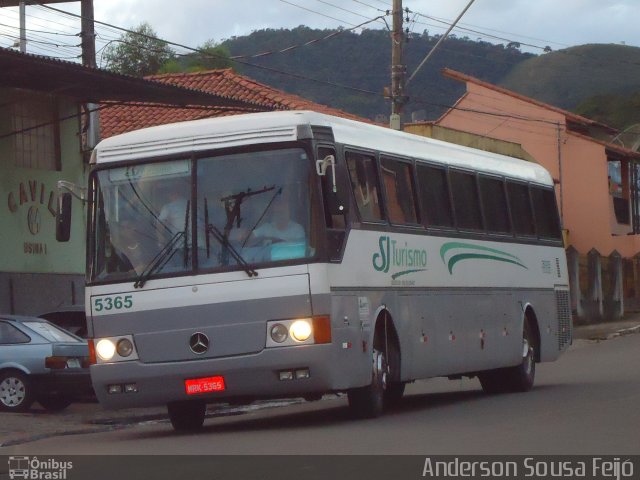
[232, 205]
[264, 212]
[227, 248]
[226, 245]
[160, 260]
[165, 254]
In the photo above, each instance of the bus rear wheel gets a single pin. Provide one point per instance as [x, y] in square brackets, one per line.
[187, 416]
[519, 378]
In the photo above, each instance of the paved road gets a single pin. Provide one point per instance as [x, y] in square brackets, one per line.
[588, 402]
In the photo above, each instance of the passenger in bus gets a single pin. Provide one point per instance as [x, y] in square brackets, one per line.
[281, 228]
[173, 215]
[130, 253]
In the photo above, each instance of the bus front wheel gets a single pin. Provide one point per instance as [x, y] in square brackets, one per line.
[368, 402]
[187, 416]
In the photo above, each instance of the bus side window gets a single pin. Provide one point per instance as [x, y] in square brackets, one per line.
[494, 204]
[434, 196]
[364, 181]
[546, 213]
[396, 177]
[520, 205]
[465, 200]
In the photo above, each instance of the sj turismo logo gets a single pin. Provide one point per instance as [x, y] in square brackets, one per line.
[393, 256]
[37, 469]
[455, 252]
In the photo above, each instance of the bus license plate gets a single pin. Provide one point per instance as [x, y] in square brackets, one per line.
[195, 386]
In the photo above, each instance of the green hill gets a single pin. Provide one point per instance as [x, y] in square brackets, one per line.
[595, 80]
[568, 77]
[363, 61]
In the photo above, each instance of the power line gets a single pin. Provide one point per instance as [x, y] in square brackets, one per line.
[105, 105]
[290, 74]
[387, 11]
[211, 55]
[317, 13]
[310, 42]
[341, 8]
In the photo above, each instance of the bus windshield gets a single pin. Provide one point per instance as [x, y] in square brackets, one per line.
[250, 209]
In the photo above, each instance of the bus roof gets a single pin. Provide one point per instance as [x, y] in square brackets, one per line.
[283, 126]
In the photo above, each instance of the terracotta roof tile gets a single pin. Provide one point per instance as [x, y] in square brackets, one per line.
[118, 119]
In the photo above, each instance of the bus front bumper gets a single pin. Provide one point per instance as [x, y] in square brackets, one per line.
[277, 372]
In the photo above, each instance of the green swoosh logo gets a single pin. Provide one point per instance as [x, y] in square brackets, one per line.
[406, 272]
[499, 254]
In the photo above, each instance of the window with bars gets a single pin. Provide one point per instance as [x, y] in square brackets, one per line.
[35, 139]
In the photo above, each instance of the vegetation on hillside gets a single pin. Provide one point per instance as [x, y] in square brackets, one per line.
[567, 77]
[362, 61]
[350, 70]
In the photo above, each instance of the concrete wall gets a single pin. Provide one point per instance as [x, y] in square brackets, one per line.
[468, 140]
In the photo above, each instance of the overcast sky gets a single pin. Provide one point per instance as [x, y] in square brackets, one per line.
[554, 23]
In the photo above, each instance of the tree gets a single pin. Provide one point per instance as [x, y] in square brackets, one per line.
[138, 52]
[208, 57]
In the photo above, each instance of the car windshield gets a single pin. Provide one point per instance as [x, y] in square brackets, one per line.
[51, 332]
[251, 208]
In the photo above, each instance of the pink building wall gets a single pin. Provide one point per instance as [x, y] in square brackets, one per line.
[577, 163]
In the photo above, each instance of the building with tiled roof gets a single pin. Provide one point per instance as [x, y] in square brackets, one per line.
[121, 118]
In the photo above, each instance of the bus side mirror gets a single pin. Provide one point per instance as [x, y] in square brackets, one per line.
[63, 217]
[335, 197]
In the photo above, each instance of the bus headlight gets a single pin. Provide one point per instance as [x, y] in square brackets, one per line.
[114, 349]
[300, 330]
[124, 347]
[105, 349]
[279, 333]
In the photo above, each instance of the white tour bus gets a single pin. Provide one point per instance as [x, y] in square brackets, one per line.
[292, 254]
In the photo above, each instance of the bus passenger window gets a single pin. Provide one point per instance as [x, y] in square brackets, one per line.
[396, 177]
[434, 196]
[544, 206]
[521, 214]
[494, 203]
[364, 181]
[465, 200]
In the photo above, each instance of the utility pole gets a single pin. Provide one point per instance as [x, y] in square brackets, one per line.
[398, 68]
[23, 28]
[88, 34]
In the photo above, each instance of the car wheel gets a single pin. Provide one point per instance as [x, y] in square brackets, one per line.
[16, 392]
[54, 403]
[187, 416]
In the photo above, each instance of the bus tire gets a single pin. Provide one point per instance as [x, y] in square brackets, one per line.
[187, 416]
[519, 378]
[393, 394]
[368, 402]
[394, 387]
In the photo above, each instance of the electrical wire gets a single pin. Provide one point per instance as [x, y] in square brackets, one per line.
[296, 75]
[342, 9]
[310, 42]
[317, 13]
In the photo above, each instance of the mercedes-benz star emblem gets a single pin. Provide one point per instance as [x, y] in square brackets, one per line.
[199, 343]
